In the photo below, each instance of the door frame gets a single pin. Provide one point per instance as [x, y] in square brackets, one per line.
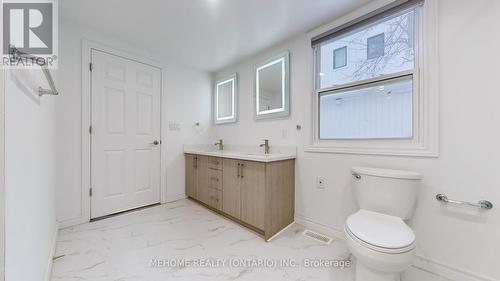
[87, 47]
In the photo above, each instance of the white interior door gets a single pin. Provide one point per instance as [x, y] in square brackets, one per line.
[125, 139]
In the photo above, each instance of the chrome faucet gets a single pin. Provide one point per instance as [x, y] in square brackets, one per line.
[266, 146]
[220, 144]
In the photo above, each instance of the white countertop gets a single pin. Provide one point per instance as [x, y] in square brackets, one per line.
[250, 153]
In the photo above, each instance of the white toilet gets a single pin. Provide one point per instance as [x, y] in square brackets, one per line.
[377, 235]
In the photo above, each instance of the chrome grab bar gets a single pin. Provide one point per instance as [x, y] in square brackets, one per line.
[483, 204]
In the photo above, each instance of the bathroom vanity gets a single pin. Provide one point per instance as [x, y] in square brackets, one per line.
[256, 190]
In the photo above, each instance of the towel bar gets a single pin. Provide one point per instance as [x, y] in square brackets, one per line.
[15, 53]
[483, 204]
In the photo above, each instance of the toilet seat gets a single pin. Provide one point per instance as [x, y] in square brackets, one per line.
[380, 232]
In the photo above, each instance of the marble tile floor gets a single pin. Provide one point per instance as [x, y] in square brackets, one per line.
[185, 241]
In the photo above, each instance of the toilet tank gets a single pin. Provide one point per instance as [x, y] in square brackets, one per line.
[391, 192]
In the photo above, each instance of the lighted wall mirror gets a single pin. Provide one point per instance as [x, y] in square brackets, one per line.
[225, 100]
[272, 87]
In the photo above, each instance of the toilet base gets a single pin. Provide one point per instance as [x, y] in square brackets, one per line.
[364, 273]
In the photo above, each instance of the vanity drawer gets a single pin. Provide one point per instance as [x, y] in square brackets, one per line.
[215, 198]
[215, 163]
[215, 179]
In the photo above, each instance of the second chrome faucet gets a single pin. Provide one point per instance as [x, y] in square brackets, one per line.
[266, 146]
[220, 144]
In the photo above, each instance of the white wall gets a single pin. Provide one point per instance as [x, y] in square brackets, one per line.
[469, 150]
[187, 92]
[29, 176]
[2, 175]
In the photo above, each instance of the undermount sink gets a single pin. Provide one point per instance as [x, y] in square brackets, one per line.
[255, 154]
[243, 152]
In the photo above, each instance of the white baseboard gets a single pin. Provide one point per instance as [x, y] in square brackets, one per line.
[281, 231]
[175, 198]
[83, 219]
[72, 222]
[319, 227]
[422, 263]
[448, 271]
[48, 271]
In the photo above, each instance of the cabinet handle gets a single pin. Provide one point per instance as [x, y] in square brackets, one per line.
[195, 162]
[242, 165]
[238, 170]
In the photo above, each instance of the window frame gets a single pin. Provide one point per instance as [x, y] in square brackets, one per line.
[345, 64]
[425, 141]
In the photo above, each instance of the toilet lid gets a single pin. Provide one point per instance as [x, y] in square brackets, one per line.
[380, 230]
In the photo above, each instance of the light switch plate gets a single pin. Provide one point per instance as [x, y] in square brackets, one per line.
[172, 126]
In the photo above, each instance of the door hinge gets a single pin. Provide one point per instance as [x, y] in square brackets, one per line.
[90, 66]
[90, 129]
[90, 192]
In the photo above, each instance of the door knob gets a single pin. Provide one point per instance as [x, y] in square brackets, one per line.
[156, 142]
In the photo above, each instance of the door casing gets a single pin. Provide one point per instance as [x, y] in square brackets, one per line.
[133, 185]
[87, 46]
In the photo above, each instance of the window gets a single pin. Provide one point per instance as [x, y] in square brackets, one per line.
[369, 100]
[378, 110]
[375, 46]
[398, 57]
[375, 103]
[340, 57]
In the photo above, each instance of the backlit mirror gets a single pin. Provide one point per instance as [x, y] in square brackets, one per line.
[272, 94]
[225, 100]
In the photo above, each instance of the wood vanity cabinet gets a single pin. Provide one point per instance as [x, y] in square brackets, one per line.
[196, 177]
[252, 186]
[231, 198]
[191, 176]
[259, 195]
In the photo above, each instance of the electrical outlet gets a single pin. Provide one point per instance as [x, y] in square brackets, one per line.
[320, 182]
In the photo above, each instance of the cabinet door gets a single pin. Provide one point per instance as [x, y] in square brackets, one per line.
[253, 181]
[191, 177]
[202, 179]
[231, 188]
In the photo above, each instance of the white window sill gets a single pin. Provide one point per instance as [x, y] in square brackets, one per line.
[416, 151]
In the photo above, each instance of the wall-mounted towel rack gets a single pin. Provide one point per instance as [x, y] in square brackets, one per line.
[483, 204]
[16, 54]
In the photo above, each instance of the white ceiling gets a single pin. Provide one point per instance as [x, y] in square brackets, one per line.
[204, 34]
